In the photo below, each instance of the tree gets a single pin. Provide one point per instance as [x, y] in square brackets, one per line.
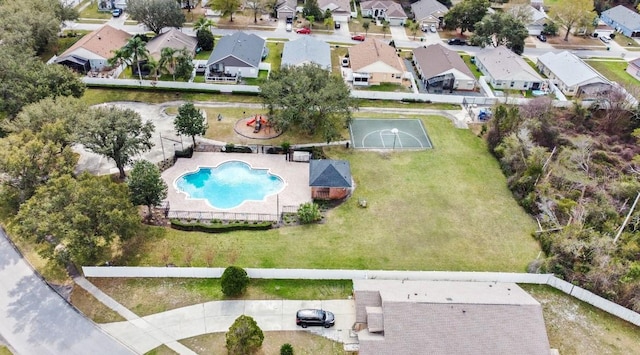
[465, 15]
[286, 349]
[365, 26]
[413, 27]
[311, 20]
[116, 133]
[30, 24]
[309, 98]
[328, 22]
[184, 65]
[156, 14]
[244, 336]
[153, 66]
[77, 220]
[309, 212]
[205, 40]
[256, 7]
[134, 51]
[272, 7]
[227, 7]
[190, 121]
[311, 8]
[203, 23]
[169, 60]
[385, 28]
[573, 13]
[146, 185]
[501, 28]
[234, 281]
[550, 29]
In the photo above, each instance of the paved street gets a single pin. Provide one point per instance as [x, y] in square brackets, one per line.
[36, 320]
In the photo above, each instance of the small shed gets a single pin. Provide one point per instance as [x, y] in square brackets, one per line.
[301, 156]
[330, 179]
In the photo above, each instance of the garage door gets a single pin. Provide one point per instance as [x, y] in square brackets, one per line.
[341, 18]
[282, 15]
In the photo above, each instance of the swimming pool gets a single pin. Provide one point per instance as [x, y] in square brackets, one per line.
[229, 184]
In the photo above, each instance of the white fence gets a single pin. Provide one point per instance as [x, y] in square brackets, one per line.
[335, 274]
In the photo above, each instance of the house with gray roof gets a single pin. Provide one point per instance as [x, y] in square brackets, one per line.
[533, 19]
[286, 8]
[236, 55]
[447, 317]
[306, 50]
[623, 20]
[174, 39]
[440, 68]
[330, 179]
[428, 12]
[633, 68]
[505, 70]
[340, 9]
[572, 75]
[387, 10]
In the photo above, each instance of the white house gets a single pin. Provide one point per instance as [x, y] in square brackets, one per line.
[573, 76]
[387, 10]
[505, 70]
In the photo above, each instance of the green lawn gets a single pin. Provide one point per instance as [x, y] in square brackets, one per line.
[5, 351]
[441, 209]
[203, 55]
[262, 77]
[614, 71]
[62, 44]
[390, 87]
[275, 54]
[91, 12]
[471, 65]
[94, 96]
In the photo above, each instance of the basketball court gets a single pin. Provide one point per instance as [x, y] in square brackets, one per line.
[392, 134]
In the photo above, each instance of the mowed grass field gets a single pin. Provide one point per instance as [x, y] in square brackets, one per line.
[441, 209]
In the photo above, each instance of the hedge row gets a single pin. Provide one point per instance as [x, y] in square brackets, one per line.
[218, 227]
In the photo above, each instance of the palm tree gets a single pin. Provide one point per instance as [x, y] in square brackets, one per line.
[168, 58]
[413, 27]
[365, 26]
[203, 23]
[134, 51]
[385, 27]
[154, 67]
[311, 19]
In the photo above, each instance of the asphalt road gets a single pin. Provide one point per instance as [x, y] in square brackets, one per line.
[34, 319]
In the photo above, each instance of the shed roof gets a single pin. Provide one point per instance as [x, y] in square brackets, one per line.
[101, 42]
[306, 49]
[502, 64]
[329, 173]
[570, 69]
[371, 51]
[173, 38]
[245, 47]
[624, 16]
[437, 59]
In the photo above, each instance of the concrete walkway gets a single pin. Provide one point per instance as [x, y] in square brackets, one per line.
[34, 319]
[146, 333]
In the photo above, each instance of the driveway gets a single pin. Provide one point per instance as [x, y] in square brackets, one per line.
[36, 320]
[218, 316]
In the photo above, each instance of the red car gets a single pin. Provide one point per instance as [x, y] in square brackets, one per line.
[303, 31]
[357, 37]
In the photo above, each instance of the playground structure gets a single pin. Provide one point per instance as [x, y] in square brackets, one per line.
[257, 122]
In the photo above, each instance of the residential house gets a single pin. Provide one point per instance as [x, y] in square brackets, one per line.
[92, 52]
[623, 20]
[447, 317]
[330, 179]
[238, 54]
[174, 39]
[340, 9]
[306, 50]
[602, 29]
[633, 68]
[374, 62]
[534, 19]
[429, 12]
[286, 8]
[572, 75]
[108, 5]
[441, 69]
[386, 10]
[505, 70]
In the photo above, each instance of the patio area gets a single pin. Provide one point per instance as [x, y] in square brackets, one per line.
[295, 175]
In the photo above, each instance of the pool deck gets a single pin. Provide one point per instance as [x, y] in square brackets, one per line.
[294, 174]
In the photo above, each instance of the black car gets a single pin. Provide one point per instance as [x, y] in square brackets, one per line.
[306, 317]
[542, 37]
[457, 41]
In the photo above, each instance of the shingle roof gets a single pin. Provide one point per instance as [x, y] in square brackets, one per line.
[437, 59]
[307, 49]
[570, 69]
[172, 39]
[371, 51]
[287, 4]
[393, 9]
[502, 64]
[425, 8]
[101, 42]
[635, 62]
[624, 16]
[335, 5]
[246, 47]
[329, 173]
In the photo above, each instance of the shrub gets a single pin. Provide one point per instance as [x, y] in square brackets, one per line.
[205, 40]
[217, 226]
[309, 212]
[244, 336]
[234, 281]
[286, 349]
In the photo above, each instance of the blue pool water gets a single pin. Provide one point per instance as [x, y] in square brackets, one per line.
[229, 184]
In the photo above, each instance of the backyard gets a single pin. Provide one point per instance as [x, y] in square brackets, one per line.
[614, 70]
